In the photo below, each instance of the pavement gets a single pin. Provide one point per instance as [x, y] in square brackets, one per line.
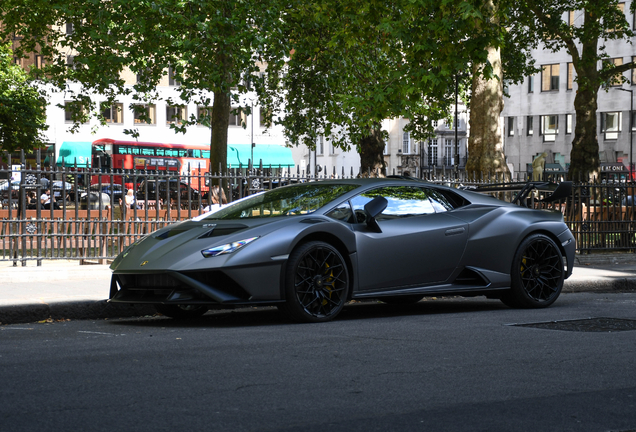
[63, 289]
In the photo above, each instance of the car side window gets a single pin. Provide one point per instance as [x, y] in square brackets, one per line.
[342, 212]
[403, 201]
[439, 201]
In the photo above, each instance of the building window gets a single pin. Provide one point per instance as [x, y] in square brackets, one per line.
[611, 125]
[144, 114]
[570, 75]
[113, 114]
[236, 117]
[529, 130]
[265, 117]
[531, 84]
[69, 28]
[70, 62]
[550, 77]
[204, 116]
[511, 126]
[176, 114]
[171, 78]
[74, 112]
[568, 123]
[617, 79]
[435, 123]
[432, 152]
[448, 152]
[406, 143]
[549, 127]
[320, 145]
[39, 61]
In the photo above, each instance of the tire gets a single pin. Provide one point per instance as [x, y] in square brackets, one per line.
[402, 300]
[537, 273]
[316, 283]
[181, 311]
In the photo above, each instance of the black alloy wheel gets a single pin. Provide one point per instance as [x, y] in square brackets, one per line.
[181, 311]
[537, 273]
[316, 283]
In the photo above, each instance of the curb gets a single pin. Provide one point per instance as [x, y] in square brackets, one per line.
[609, 285]
[75, 310]
[101, 309]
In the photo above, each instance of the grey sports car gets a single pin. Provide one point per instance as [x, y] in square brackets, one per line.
[311, 247]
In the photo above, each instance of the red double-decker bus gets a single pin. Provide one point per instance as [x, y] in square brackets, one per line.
[115, 156]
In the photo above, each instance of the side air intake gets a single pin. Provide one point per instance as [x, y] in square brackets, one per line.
[471, 277]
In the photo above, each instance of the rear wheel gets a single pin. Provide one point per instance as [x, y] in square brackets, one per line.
[537, 273]
[181, 311]
[316, 283]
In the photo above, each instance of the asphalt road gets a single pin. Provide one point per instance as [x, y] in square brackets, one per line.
[440, 365]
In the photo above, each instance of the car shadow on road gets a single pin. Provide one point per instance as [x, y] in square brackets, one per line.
[356, 310]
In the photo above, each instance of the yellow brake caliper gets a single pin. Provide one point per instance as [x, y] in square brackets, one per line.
[328, 283]
[523, 265]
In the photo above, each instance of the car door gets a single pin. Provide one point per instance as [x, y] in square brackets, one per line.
[420, 242]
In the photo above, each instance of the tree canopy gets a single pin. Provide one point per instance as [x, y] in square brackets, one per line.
[353, 65]
[335, 68]
[208, 46]
[22, 107]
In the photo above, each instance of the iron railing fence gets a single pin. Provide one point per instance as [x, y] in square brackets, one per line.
[90, 222]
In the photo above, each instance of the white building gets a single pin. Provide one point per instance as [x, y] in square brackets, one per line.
[243, 129]
[539, 113]
[406, 156]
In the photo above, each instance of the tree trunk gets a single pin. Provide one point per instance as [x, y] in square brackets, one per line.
[584, 160]
[485, 144]
[220, 122]
[372, 153]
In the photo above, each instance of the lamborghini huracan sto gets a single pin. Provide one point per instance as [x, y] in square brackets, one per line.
[309, 248]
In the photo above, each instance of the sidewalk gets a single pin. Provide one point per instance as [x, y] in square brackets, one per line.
[63, 289]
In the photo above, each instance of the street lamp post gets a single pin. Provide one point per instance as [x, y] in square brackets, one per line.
[252, 134]
[631, 129]
[456, 121]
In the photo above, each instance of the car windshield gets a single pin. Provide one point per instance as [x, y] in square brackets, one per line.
[284, 201]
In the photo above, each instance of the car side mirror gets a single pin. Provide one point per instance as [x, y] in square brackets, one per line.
[372, 209]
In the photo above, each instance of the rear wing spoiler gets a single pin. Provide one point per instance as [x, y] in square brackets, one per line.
[558, 191]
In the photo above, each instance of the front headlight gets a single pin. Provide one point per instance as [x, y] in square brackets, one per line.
[226, 248]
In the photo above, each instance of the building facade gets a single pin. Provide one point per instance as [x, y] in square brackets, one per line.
[539, 114]
[443, 150]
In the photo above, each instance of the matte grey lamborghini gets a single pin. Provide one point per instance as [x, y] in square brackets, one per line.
[311, 247]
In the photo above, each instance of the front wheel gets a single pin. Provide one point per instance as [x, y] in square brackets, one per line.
[181, 311]
[316, 283]
[537, 273]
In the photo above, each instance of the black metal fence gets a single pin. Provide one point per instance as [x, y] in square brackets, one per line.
[92, 223]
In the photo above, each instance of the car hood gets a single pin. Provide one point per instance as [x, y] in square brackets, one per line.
[179, 246]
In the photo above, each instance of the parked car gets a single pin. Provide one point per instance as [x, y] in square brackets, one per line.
[115, 190]
[5, 188]
[56, 189]
[157, 189]
[309, 248]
